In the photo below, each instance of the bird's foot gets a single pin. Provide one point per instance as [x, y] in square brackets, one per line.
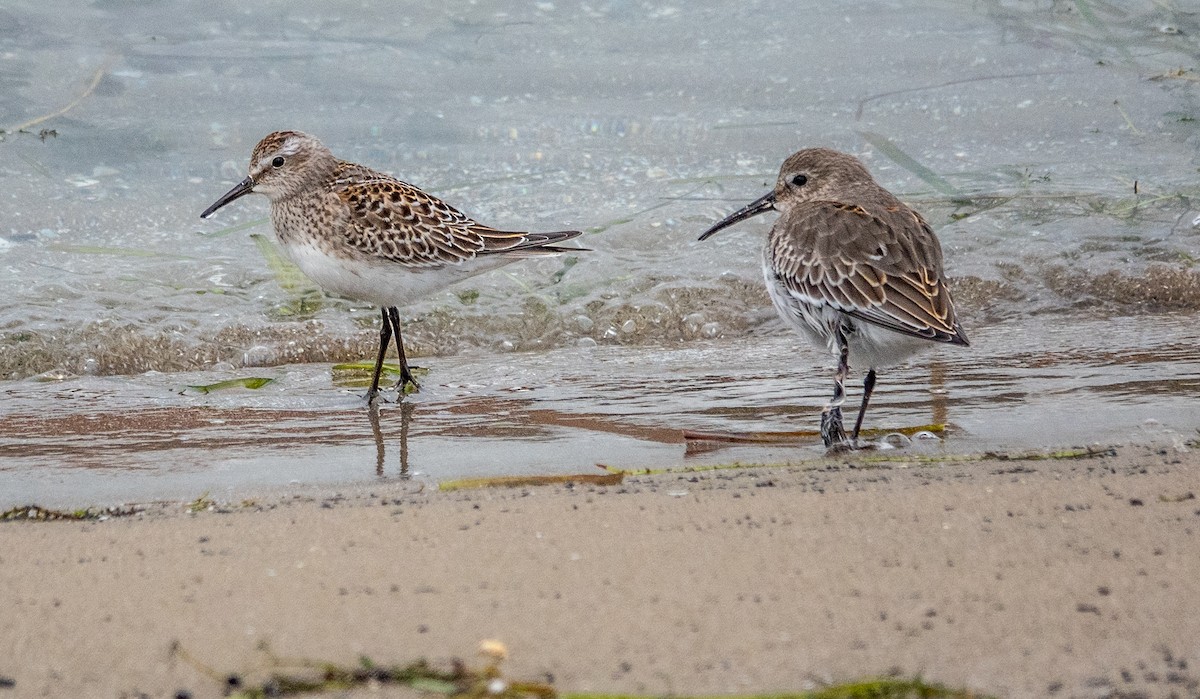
[834, 435]
[403, 388]
[831, 428]
[407, 383]
[374, 399]
[848, 445]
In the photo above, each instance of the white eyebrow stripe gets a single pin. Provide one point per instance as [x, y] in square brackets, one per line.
[290, 147]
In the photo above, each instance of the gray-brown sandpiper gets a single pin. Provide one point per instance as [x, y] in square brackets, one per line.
[368, 236]
[853, 269]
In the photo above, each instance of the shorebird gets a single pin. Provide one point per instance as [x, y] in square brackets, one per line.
[368, 236]
[853, 269]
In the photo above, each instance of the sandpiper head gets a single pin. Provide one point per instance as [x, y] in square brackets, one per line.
[813, 174]
[819, 174]
[282, 164]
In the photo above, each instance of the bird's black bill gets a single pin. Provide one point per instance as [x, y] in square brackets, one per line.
[240, 189]
[762, 204]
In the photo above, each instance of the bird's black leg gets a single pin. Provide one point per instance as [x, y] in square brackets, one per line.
[406, 376]
[385, 336]
[831, 418]
[868, 387]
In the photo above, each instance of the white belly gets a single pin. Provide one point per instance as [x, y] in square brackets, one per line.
[871, 346]
[380, 282]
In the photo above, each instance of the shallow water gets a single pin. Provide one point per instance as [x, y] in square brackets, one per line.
[1019, 128]
[568, 411]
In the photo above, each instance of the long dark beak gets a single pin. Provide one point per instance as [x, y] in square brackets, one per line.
[240, 189]
[762, 204]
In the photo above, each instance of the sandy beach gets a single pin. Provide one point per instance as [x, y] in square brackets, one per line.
[1072, 577]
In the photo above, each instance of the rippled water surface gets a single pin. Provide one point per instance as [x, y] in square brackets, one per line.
[568, 411]
[1054, 146]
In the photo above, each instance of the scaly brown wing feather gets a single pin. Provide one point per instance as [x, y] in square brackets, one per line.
[393, 220]
[883, 266]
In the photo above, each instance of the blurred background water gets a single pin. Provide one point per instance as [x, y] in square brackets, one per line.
[1053, 145]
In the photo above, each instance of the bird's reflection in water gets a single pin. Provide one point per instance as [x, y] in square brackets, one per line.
[406, 413]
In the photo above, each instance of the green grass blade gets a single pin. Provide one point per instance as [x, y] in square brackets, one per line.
[250, 382]
[906, 161]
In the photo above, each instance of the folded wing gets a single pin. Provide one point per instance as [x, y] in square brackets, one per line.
[394, 220]
[882, 266]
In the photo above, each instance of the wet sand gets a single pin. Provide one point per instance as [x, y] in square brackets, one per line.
[1013, 578]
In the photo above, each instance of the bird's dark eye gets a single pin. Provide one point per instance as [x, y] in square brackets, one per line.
[277, 162]
[799, 181]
